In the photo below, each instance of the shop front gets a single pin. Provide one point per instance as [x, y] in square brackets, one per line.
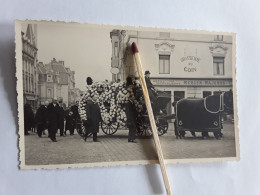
[178, 88]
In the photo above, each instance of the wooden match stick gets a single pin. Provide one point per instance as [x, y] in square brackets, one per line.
[151, 117]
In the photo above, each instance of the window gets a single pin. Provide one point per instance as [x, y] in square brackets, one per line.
[49, 93]
[178, 95]
[164, 64]
[218, 38]
[116, 49]
[218, 65]
[49, 78]
[206, 93]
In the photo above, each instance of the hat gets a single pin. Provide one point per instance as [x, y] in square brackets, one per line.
[129, 81]
[89, 81]
[147, 72]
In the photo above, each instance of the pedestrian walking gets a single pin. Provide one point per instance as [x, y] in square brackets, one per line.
[61, 117]
[53, 112]
[41, 118]
[28, 118]
[75, 115]
[70, 123]
[93, 119]
[130, 113]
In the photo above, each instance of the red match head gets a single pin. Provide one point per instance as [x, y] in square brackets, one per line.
[134, 48]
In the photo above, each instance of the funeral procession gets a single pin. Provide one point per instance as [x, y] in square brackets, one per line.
[79, 114]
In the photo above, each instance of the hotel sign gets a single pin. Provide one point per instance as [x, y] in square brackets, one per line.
[192, 82]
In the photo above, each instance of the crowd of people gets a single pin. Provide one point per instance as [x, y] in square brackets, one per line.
[51, 116]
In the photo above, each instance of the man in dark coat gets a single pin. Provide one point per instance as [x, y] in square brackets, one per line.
[147, 80]
[61, 117]
[70, 123]
[130, 114]
[42, 118]
[149, 85]
[53, 112]
[75, 115]
[28, 118]
[75, 110]
[93, 119]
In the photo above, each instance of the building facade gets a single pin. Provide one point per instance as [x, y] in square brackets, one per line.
[182, 65]
[56, 81]
[30, 73]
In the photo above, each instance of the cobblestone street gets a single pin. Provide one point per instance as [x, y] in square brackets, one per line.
[73, 149]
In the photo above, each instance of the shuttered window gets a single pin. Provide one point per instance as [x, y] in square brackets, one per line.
[218, 65]
[164, 64]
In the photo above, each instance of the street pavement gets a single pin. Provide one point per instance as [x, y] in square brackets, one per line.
[73, 149]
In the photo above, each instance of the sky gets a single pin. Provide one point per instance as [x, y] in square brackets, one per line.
[84, 49]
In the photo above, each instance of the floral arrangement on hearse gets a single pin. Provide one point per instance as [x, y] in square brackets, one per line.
[111, 98]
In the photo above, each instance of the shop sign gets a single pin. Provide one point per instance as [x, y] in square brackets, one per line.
[190, 63]
[192, 82]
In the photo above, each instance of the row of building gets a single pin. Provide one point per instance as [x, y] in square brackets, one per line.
[184, 65]
[43, 82]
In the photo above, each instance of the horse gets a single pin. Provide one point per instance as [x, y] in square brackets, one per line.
[202, 114]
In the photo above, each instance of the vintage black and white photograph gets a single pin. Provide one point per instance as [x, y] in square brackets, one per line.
[80, 100]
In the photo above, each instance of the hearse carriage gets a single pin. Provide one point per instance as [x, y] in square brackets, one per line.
[202, 114]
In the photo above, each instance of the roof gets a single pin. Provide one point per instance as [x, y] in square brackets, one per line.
[41, 69]
[30, 35]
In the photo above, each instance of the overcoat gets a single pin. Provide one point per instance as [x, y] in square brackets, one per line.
[130, 114]
[41, 116]
[28, 117]
[61, 117]
[53, 112]
[149, 84]
[70, 123]
[75, 111]
[93, 116]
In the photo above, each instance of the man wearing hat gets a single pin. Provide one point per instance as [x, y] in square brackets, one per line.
[130, 113]
[41, 117]
[150, 87]
[147, 80]
[53, 112]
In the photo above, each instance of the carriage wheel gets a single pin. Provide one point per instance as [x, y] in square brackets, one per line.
[81, 129]
[162, 127]
[143, 128]
[110, 128]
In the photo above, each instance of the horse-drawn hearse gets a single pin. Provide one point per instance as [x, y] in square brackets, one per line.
[159, 103]
[202, 114]
[191, 114]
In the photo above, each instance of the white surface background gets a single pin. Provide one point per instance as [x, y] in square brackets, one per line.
[242, 17]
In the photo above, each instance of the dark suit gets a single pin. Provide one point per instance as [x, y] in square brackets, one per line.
[93, 119]
[75, 111]
[28, 118]
[150, 87]
[70, 124]
[41, 119]
[131, 120]
[61, 119]
[76, 116]
[53, 112]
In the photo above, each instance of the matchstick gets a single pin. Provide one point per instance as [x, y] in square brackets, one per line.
[151, 117]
